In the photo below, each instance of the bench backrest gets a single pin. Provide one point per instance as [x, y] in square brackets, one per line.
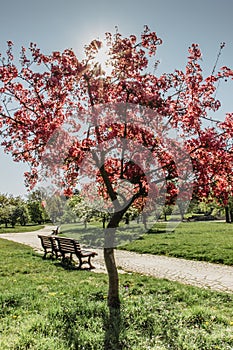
[48, 242]
[68, 245]
[45, 241]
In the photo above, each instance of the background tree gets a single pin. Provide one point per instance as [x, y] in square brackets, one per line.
[82, 210]
[36, 212]
[46, 91]
[69, 215]
[6, 209]
[36, 204]
[55, 206]
[20, 212]
[13, 210]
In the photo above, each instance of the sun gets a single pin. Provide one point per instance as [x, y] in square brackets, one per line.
[103, 58]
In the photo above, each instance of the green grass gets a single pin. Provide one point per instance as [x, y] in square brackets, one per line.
[16, 229]
[209, 241]
[47, 307]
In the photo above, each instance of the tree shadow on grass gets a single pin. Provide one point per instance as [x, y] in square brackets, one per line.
[113, 329]
[93, 236]
[73, 264]
[111, 317]
[73, 319]
[112, 321]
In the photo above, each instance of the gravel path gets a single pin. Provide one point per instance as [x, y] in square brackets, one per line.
[196, 273]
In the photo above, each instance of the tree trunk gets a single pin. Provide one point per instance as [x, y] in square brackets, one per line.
[104, 221]
[227, 215]
[85, 224]
[114, 322]
[113, 287]
[231, 214]
[109, 244]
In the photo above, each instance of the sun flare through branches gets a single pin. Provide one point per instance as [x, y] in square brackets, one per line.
[102, 58]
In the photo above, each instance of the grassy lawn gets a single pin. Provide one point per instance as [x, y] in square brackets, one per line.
[209, 241]
[16, 229]
[47, 307]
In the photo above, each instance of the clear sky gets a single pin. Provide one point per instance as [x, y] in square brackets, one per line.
[60, 24]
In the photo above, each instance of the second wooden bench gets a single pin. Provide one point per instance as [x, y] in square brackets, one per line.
[70, 247]
[66, 248]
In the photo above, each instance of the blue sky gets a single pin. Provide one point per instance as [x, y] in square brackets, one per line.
[59, 24]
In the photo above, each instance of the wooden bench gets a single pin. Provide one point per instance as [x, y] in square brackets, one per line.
[62, 246]
[70, 247]
[56, 231]
[49, 245]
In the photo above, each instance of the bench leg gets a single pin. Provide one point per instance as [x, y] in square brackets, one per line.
[67, 260]
[80, 262]
[56, 254]
[89, 262]
[46, 252]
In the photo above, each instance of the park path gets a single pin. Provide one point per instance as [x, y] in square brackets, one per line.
[197, 273]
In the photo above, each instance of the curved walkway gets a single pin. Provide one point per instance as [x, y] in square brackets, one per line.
[196, 273]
